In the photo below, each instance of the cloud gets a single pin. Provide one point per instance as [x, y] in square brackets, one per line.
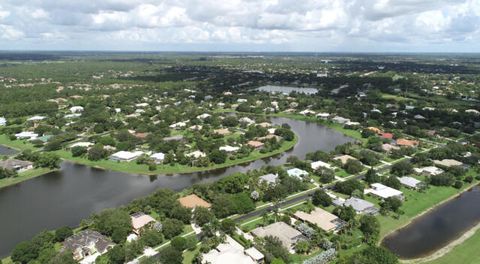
[315, 24]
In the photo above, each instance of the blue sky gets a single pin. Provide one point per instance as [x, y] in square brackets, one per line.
[242, 25]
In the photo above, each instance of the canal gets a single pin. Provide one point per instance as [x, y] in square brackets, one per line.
[437, 228]
[67, 196]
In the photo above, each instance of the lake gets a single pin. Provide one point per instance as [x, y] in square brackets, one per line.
[437, 228]
[286, 89]
[67, 196]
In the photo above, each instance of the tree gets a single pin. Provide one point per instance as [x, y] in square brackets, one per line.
[228, 226]
[370, 228]
[326, 175]
[320, 197]
[179, 243]
[391, 204]
[24, 252]
[115, 223]
[346, 213]
[353, 166]
[273, 248]
[217, 156]
[62, 233]
[171, 255]
[116, 255]
[302, 247]
[371, 176]
[172, 228]
[347, 187]
[97, 152]
[202, 215]
[65, 257]
[78, 151]
[48, 160]
[374, 255]
[392, 182]
[277, 261]
[151, 237]
[402, 168]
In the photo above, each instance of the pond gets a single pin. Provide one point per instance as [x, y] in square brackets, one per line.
[6, 151]
[286, 89]
[437, 228]
[67, 196]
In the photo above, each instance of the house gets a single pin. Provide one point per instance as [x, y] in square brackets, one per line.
[288, 235]
[178, 125]
[297, 173]
[192, 201]
[204, 116]
[76, 109]
[407, 142]
[36, 118]
[246, 120]
[320, 164]
[81, 144]
[307, 112]
[428, 171]
[375, 130]
[140, 221]
[196, 154]
[222, 131]
[3, 121]
[158, 157]
[323, 115]
[410, 182]
[389, 147]
[228, 149]
[383, 192]
[26, 135]
[87, 245]
[340, 120]
[174, 138]
[270, 179]
[255, 144]
[321, 218]
[126, 156]
[447, 163]
[344, 158]
[230, 251]
[16, 165]
[385, 135]
[359, 205]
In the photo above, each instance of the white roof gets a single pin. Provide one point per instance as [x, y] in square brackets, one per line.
[269, 178]
[196, 154]
[228, 252]
[317, 164]
[296, 172]
[158, 156]
[254, 254]
[383, 191]
[127, 155]
[429, 169]
[409, 181]
[229, 148]
[82, 144]
[26, 134]
[36, 118]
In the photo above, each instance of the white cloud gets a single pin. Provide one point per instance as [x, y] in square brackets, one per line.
[10, 33]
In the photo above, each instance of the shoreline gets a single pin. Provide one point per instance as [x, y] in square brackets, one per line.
[8, 182]
[445, 249]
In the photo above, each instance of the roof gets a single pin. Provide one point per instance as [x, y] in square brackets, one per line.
[222, 131]
[317, 164]
[296, 172]
[448, 162]
[269, 178]
[359, 205]
[228, 252]
[383, 191]
[321, 218]
[14, 164]
[409, 181]
[86, 238]
[140, 220]
[407, 142]
[254, 254]
[192, 201]
[387, 135]
[126, 155]
[229, 148]
[254, 143]
[158, 156]
[344, 158]
[287, 234]
[431, 170]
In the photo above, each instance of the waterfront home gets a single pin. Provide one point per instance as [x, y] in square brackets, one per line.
[228, 149]
[230, 251]
[255, 144]
[323, 115]
[3, 121]
[344, 158]
[87, 245]
[16, 165]
[428, 171]
[410, 182]
[192, 201]
[158, 157]
[196, 154]
[359, 205]
[140, 221]
[297, 173]
[126, 155]
[307, 112]
[447, 163]
[383, 192]
[320, 164]
[321, 218]
[340, 120]
[81, 144]
[270, 179]
[26, 135]
[288, 235]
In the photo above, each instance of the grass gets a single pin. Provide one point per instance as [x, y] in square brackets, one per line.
[15, 144]
[465, 253]
[189, 255]
[133, 167]
[23, 176]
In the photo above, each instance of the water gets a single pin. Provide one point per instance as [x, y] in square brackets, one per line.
[437, 228]
[6, 151]
[67, 196]
[286, 89]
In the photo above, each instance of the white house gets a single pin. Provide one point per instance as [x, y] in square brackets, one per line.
[196, 154]
[229, 149]
[3, 121]
[340, 120]
[297, 173]
[82, 144]
[36, 118]
[323, 115]
[76, 109]
[26, 135]
[269, 178]
[126, 155]
[410, 182]
[428, 171]
[320, 164]
[232, 252]
[178, 125]
[158, 157]
[204, 116]
[383, 191]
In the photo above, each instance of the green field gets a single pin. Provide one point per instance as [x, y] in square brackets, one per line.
[15, 144]
[27, 175]
[465, 253]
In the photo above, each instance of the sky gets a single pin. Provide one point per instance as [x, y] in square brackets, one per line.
[241, 25]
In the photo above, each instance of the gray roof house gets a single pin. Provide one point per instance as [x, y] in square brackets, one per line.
[287, 234]
[16, 165]
[87, 245]
[359, 205]
[269, 178]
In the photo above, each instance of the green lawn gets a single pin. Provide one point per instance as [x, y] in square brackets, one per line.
[465, 253]
[189, 255]
[133, 167]
[15, 144]
[24, 176]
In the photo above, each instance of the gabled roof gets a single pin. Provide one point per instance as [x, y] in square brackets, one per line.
[192, 201]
